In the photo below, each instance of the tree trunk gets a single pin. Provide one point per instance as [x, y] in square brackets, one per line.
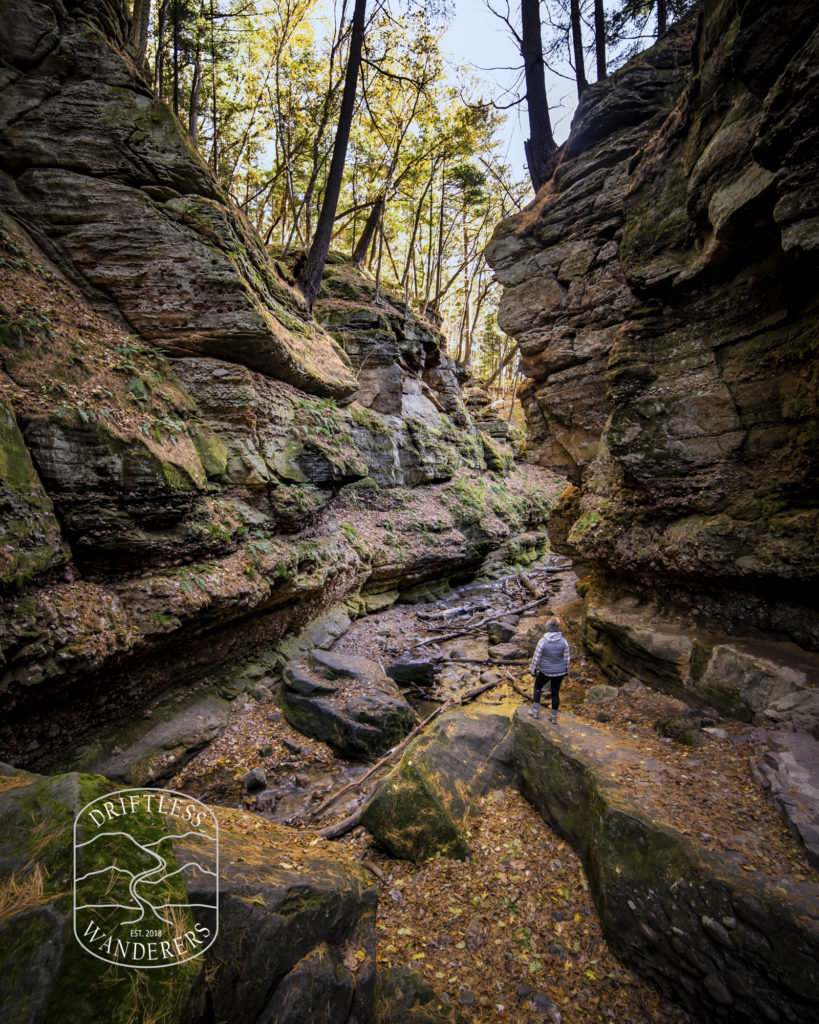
[380, 255]
[196, 89]
[364, 243]
[662, 17]
[541, 143]
[577, 45]
[139, 30]
[310, 277]
[159, 68]
[214, 156]
[600, 39]
[176, 57]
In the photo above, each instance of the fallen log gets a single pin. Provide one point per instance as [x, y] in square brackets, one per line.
[487, 661]
[477, 625]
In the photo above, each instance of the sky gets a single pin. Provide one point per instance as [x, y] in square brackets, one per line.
[479, 38]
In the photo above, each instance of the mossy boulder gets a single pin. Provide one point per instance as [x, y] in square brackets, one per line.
[48, 977]
[296, 935]
[296, 925]
[727, 944]
[423, 807]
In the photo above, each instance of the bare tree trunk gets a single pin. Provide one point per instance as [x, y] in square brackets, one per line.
[365, 242]
[662, 17]
[380, 255]
[541, 143]
[214, 156]
[577, 45]
[176, 57]
[196, 89]
[310, 277]
[139, 30]
[440, 258]
[159, 68]
[600, 39]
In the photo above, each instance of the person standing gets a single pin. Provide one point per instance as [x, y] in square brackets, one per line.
[550, 665]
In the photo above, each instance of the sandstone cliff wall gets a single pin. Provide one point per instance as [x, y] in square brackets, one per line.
[662, 291]
[185, 471]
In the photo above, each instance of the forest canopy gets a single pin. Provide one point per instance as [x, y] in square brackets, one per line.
[259, 85]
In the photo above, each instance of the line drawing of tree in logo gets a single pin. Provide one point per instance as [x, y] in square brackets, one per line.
[156, 874]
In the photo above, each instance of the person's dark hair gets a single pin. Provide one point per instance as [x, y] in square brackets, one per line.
[553, 625]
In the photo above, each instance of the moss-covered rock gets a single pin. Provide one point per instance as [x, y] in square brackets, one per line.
[30, 540]
[423, 807]
[724, 943]
[49, 976]
[296, 925]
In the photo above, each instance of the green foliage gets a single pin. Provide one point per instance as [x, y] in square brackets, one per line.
[29, 323]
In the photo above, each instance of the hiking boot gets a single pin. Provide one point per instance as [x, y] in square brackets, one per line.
[553, 718]
[535, 711]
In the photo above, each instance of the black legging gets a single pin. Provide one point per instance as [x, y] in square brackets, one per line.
[554, 684]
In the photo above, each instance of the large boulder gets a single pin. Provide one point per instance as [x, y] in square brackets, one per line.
[48, 977]
[103, 169]
[424, 805]
[296, 935]
[311, 916]
[762, 681]
[146, 751]
[346, 701]
[727, 944]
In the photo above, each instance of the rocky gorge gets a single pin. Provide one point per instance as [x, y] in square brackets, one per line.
[231, 528]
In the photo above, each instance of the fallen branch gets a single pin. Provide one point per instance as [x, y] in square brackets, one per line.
[476, 625]
[342, 827]
[331, 832]
[534, 590]
[488, 661]
[374, 869]
[387, 757]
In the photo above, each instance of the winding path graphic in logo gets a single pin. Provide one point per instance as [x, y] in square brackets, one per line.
[146, 878]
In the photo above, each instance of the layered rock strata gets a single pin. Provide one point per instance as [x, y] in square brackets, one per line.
[661, 290]
[124, 202]
[185, 474]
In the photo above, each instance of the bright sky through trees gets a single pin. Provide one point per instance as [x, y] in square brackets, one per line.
[478, 38]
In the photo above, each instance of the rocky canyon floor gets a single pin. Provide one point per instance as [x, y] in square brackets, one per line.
[510, 935]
